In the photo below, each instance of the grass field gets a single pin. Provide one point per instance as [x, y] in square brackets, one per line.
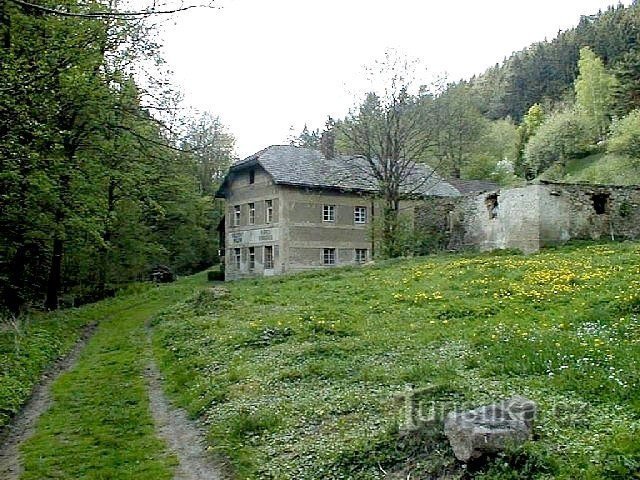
[298, 377]
[99, 425]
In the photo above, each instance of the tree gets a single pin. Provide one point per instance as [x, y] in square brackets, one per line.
[531, 122]
[306, 138]
[562, 136]
[210, 147]
[459, 124]
[594, 89]
[387, 132]
[625, 136]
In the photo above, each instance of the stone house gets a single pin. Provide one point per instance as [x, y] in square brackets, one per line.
[289, 209]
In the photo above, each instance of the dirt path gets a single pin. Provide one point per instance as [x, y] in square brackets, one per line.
[23, 425]
[183, 437]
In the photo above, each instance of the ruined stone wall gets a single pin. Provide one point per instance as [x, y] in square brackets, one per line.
[588, 212]
[531, 217]
[432, 221]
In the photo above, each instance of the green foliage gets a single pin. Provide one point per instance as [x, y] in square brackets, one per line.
[286, 397]
[459, 127]
[545, 71]
[625, 136]
[531, 122]
[597, 168]
[561, 137]
[594, 91]
[94, 191]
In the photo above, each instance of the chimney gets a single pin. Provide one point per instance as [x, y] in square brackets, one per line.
[328, 143]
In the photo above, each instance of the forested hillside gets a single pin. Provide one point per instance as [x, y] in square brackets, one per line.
[544, 72]
[547, 105]
[101, 176]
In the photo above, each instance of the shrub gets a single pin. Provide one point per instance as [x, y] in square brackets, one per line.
[563, 136]
[625, 135]
[215, 276]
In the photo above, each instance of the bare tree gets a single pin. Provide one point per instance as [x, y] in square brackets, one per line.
[388, 133]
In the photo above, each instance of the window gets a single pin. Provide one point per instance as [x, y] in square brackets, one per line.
[252, 177]
[268, 211]
[252, 213]
[236, 257]
[361, 255]
[236, 215]
[493, 207]
[329, 256]
[360, 214]
[600, 203]
[328, 213]
[252, 258]
[268, 256]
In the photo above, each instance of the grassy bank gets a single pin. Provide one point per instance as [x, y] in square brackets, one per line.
[30, 344]
[298, 377]
[99, 425]
[604, 168]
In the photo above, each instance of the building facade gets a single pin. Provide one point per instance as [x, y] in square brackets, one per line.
[289, 209]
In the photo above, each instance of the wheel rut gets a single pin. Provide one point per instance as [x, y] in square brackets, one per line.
[23, 425]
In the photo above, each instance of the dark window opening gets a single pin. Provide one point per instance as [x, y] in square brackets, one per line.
[252, 176]
[492, 205]
[600, 203]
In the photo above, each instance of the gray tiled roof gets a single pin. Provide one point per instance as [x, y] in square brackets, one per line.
[289, 165]
[473, 186]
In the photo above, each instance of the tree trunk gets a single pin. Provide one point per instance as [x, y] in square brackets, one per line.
[106, 239]
[54, 282]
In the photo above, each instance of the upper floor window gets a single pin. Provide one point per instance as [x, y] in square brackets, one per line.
[252, 213]
[328, 213]
[329, 256]
[252, 176]
[268, 211]
[360, 214]
[236, 215]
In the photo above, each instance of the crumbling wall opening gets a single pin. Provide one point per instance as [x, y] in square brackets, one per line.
[491, 201]
[601, 203]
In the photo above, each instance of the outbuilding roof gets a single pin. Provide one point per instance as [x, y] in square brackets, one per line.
[306, 167]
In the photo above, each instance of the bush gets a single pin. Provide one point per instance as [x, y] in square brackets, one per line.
[625, 135]
[563, 136]
[215, 276]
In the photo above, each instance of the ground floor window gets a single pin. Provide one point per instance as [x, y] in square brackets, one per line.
[252, 258]
[268, 256]
[361, 255]
[236, 258]
[329, 256]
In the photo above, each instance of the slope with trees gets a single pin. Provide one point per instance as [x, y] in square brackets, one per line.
[96, 187]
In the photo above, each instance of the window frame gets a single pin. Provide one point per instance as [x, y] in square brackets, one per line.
[358, 252]
[328, 213]
[252, 213]
[360, 215]
[268, 211]
[252, 259]
[237, 258]
[329, 257]
[236, 215]
[268, 257]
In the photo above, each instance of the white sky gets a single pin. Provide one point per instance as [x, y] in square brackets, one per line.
[266, 65]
